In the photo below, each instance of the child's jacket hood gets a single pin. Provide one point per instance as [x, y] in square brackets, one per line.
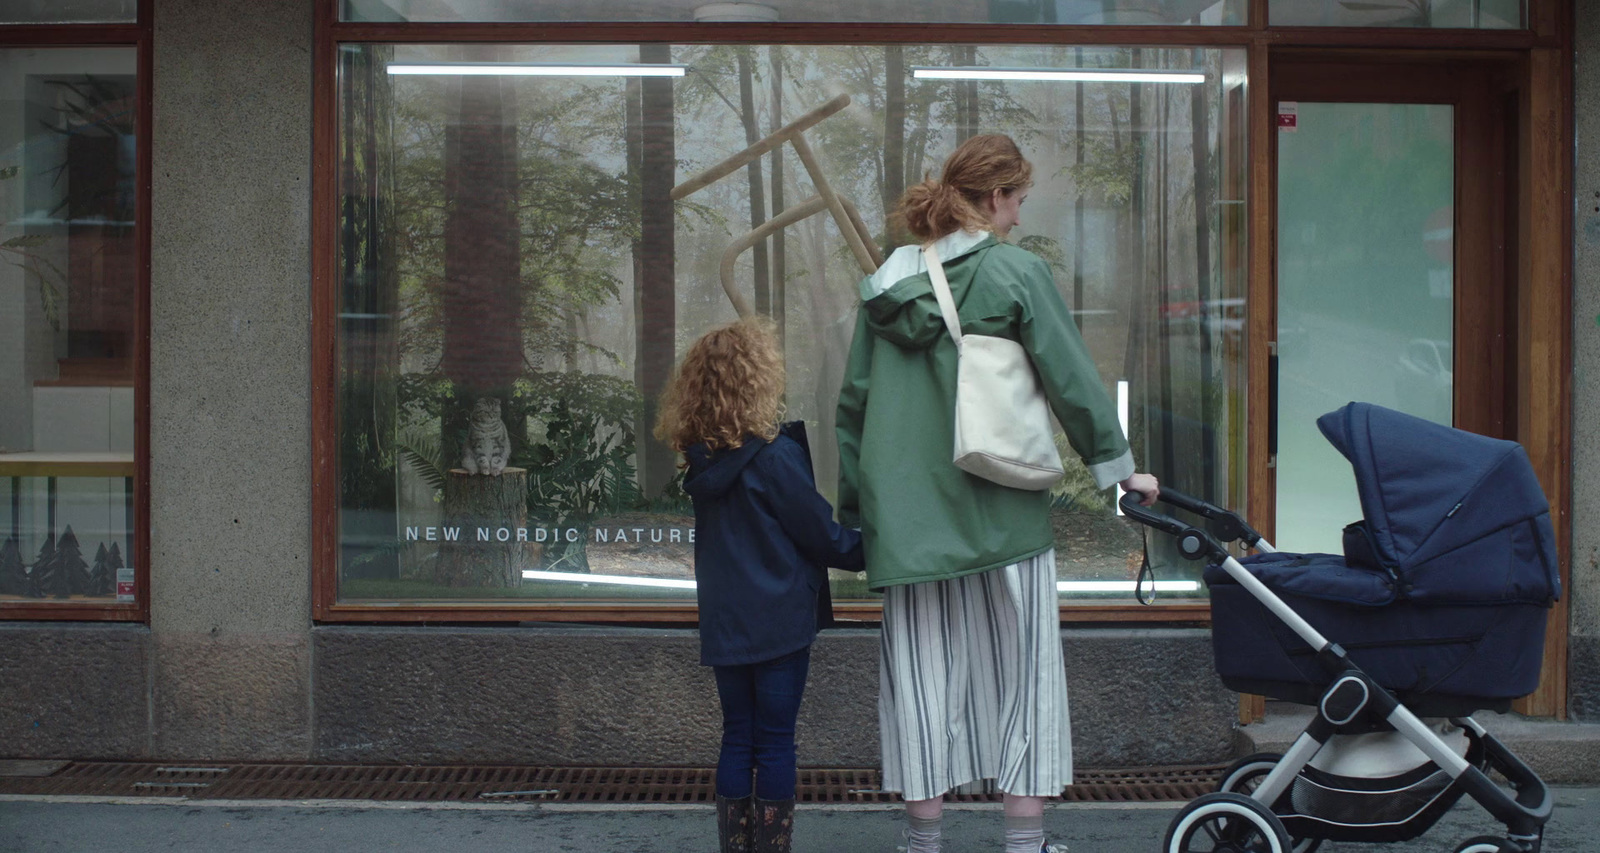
[711, 475]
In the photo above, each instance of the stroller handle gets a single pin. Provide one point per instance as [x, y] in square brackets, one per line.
[1192, 542]
[1224, 524]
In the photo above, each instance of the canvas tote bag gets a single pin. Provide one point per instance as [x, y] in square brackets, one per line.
[1002, 424]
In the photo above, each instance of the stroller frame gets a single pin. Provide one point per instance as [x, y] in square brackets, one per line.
[1350, 698]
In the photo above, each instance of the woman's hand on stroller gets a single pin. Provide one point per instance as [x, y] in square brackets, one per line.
[1146, 485]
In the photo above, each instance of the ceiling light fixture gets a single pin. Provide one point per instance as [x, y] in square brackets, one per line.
[537, 69]
[1078, 75]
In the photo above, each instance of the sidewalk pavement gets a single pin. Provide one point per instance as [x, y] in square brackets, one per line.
[71, 824]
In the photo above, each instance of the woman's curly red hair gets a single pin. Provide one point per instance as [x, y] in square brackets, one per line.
[728, 387]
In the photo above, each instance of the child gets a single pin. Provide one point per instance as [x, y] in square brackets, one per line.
[762, 538]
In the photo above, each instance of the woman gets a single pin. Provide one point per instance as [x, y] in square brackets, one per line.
[972, 680]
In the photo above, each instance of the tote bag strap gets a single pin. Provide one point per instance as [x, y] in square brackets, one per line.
[941, 291]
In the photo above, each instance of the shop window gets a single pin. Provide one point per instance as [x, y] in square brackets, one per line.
[1442, 14]
[1079, 12]
[69, 320]
[524, 250]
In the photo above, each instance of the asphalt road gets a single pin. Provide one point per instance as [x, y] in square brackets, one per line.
[58, 825]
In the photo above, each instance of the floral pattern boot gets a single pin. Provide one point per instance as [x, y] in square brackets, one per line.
[774, 826]
[734, 824]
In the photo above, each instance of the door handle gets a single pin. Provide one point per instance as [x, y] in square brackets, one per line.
[1272, 404]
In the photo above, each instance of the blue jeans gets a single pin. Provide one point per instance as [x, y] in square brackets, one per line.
[760, 702]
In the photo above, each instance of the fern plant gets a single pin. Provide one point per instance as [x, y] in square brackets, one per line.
[422, 452]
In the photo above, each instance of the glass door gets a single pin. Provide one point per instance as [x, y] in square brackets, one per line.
[1392, 204]
[1365, 289]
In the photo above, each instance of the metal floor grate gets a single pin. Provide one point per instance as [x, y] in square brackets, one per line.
[534, 784]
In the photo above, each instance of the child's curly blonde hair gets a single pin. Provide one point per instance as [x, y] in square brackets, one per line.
[728, 386]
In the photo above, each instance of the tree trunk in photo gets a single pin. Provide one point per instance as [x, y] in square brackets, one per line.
[1077, 204]
[894, 140]
[633, 145]
[485, 512]
[1200, 141]
[780, 296]
[482, 241]
[654, 263]
[1133, 245]
[1169, 438]
[758, 200]
[966, 95]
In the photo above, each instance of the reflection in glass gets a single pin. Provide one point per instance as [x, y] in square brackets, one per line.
[69, 12]
[1458, 14]
[1079, 12]
[1365, 291]
[67, 322]
[523, 259]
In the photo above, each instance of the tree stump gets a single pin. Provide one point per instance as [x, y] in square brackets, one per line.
[485, 521]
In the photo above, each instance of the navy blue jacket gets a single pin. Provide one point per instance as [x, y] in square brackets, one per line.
[762, 537]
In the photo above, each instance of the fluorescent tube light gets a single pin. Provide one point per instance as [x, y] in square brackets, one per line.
[1122, 420]
[1080, 75]
[536, 69]
[667, 583]
[614, 580]
[1125, 586]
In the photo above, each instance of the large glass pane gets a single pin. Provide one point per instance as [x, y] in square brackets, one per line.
[67, 315]
[1124, 12]
[1458, 14]
[69, 11]
[512, 252]
[1365, 290]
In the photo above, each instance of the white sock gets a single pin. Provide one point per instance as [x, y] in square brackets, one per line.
[923, 835]
[1024, 834]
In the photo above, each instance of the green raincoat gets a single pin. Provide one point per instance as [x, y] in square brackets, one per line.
[921, 517]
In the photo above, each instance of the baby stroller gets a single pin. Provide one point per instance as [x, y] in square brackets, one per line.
[1436, 609]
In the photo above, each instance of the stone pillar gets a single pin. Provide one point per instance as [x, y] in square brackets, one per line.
[1583, 666]
[230, 422]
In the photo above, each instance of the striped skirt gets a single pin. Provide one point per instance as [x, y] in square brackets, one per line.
[972, 684]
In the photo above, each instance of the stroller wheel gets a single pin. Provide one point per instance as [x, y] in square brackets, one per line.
[1226, 823]
[1246, 774]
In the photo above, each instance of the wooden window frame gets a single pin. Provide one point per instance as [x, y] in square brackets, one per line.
[136, 35]
[1550, 30]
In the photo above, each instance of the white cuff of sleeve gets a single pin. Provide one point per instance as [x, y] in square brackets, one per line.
[1108, 474]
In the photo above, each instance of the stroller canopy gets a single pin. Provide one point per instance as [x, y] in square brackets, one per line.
[1457, 516]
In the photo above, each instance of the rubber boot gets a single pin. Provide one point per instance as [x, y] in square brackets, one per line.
[734, 824]
[774, 826]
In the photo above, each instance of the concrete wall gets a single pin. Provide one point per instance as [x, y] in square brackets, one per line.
[230, 421]
[536, 695]
[1584, 650]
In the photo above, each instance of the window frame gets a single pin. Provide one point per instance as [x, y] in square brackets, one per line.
[136, 35]
[1256, 38]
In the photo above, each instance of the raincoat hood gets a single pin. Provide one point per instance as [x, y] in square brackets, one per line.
[898, 299]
